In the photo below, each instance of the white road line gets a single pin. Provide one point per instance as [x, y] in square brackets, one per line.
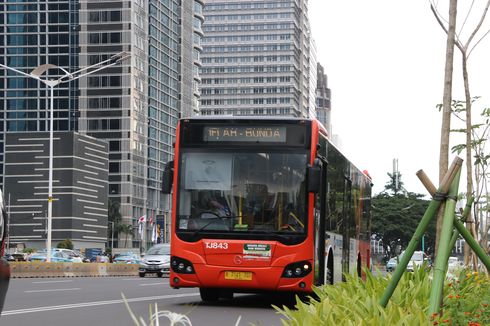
[52, 290]
[145, 284]
[95, 303]
[46, 282]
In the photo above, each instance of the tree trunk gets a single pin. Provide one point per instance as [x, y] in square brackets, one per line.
[470, 221]
[446, 106]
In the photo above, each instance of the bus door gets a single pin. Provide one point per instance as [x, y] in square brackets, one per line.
[345, 227]
[319, 230]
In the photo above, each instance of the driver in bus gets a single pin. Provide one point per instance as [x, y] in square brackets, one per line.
[219, 207]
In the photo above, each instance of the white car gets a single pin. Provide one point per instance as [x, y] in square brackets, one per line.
[156, 260]
[418, 258]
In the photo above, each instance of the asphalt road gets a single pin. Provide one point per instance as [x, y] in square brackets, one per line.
[98, 301]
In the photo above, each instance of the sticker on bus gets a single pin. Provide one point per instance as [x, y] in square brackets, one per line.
[257, 250]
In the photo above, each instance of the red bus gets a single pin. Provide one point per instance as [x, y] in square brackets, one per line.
[263, 204]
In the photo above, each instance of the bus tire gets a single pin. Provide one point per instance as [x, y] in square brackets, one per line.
[142, 274]
[209, 295]
[226, 294]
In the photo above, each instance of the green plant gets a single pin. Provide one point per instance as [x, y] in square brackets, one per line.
[466, 300]
[28, 250]
[65, 244]
[356, 302]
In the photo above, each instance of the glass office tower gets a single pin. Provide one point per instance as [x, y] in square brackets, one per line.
[134, 106]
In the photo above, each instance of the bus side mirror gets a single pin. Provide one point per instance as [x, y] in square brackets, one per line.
[314, 177]
[168, 178]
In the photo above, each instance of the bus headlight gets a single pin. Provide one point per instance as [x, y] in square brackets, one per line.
[181, 266]
[296, 270]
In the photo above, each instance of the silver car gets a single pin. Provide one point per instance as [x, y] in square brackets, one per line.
[156, 260]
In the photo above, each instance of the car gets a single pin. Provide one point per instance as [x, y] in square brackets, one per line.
[417, 260]
[156, 260]
[126, 258]
[391, 265]
[58, 255]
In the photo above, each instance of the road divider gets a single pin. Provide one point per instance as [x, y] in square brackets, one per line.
[43, 269]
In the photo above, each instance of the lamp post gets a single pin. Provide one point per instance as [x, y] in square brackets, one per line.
[51, 83]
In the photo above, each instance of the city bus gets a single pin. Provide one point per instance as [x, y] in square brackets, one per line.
[263, 204]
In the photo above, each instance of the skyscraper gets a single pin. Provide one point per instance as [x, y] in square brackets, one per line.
[258, 58]
[323, 100]
[134, 105]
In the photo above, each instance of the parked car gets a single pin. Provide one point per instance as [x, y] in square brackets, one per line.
[18, 256]
[156, 260]
[417, 260]
[58, 255]
[391, 265]
[126, 258]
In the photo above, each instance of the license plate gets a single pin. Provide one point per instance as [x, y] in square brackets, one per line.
[241, 276]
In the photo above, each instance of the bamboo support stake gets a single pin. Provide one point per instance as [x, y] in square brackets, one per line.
[424, 222]
[426, 182]
[466, 213]
[443, 250]
[473, 244]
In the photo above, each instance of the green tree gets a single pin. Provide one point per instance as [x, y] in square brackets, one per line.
[113, 215]
[127, 229]
[395, 184]
[65, 244]
[395, 218]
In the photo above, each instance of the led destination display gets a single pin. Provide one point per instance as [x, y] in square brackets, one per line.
[270, 134]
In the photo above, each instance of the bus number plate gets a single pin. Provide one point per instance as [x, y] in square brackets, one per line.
[241, 276]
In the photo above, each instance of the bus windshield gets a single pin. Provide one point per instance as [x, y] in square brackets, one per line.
[242, 192]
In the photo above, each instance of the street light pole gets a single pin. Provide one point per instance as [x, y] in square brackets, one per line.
[51, 83]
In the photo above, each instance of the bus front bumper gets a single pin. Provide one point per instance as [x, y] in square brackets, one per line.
[246, 280]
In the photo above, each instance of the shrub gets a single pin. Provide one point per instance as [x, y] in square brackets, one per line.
[355, 302]
[467, 300]
[65, 244]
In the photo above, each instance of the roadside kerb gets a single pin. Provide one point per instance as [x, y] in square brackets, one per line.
[44, 269]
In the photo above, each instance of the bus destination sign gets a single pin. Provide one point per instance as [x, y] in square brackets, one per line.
[271, 134]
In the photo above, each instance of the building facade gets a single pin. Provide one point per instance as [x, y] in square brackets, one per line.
[134, 106]
[323, 100]
[80, 185]
[258, 58]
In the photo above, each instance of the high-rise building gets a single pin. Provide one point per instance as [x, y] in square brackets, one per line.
[80, 184]
[323, 100]
[258, 58]
[134, 106]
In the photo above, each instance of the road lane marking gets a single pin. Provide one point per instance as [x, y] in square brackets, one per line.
[46, 282]
[52, 290]
[95, 303]
[145, 284]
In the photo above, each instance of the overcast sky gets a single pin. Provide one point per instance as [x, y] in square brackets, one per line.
[385, 65]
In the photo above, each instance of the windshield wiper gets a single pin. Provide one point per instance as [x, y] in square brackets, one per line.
[217, 218]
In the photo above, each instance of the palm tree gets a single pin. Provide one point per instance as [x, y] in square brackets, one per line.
[126, 229]
[114, 217]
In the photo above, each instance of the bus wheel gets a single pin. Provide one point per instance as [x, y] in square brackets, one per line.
[226, 294]
[142, 274]
[208, 295]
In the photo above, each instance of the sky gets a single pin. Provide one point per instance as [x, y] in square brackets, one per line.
[385, 65]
